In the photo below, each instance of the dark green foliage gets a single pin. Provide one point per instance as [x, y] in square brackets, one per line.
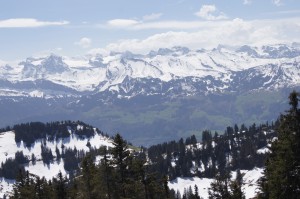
[236, 187]
[282, 173]
[191, 140]
[32, 131]
[88, 171]
[120, 161]
[46, 154]
[20, 158]
[224, 188]
[124, 175]
[60, 186]
[196, 192]
[31, 186]
[217, 154]
[189, 194]
[33, 159]
[10, 168]
[219, 188]
[106, 170]
[71, 161]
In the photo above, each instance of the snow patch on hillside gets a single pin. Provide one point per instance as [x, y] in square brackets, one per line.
[263, 150]
[8, 148]
[6, 186]
[184, 183]
[250, 185]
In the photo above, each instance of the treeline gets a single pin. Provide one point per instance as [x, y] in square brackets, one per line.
[237, 148]
[30, 132]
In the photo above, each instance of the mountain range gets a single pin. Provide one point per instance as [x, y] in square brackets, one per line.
[165, 93]
[163, 72]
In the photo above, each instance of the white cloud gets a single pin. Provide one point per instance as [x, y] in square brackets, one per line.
[277, 2]
[247, 2]
[122, 23]
[170, 25]
[29, 23]
[84, 42]
[210, 12]
[152, 16]
[96, 51]
[2, 63]
[209, 34]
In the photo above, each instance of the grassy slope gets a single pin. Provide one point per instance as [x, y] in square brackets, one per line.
[147, 123]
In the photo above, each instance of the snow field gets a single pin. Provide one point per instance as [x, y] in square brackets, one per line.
[250, 186]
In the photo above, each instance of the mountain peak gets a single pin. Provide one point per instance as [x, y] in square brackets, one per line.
[248, 50]
[281, 51]
[54, 64]
[39, 67]
[174, 51]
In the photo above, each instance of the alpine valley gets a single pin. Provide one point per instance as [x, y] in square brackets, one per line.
[163, 95]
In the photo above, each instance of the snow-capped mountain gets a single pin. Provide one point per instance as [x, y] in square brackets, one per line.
[163, 94]
[176, 71]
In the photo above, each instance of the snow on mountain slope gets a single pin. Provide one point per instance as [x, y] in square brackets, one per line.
[184, 183]
[78, 75]
[99, 73]
[8, 148]
[250, 185]
[6, 186]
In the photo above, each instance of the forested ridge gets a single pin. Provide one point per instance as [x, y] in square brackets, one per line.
[32, 131]
[238, 148]
[130, 172]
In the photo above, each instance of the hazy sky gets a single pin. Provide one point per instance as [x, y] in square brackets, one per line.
[77, 27]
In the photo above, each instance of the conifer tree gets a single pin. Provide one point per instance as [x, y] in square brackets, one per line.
[120, 154]
[219, 188]
[196, 192]
[60, 186]
[88, 172]
[107, 173]
[236, 187]
[24, 187]
[282, 173]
